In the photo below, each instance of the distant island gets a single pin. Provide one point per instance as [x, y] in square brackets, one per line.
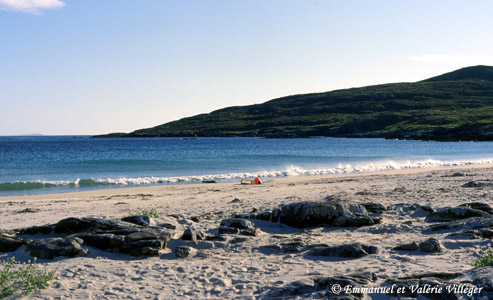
[450, 107]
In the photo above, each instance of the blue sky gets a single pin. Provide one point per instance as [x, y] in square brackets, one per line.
[90, 67]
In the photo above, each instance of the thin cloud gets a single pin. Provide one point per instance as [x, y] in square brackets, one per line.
[30, 6]
[439, 58]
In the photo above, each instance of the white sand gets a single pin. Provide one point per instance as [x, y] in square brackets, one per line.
[241, 270]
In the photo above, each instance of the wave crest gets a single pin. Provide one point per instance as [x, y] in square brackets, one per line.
[289, 171]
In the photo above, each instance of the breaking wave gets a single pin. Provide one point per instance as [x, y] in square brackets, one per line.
[289, 171]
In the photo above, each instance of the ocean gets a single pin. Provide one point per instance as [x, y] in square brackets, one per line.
[53, 164]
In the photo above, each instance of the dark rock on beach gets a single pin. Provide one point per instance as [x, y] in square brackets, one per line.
[136, 242]
[431, 245]
[238, 226]
[310, 214]
[321, 287]
[355, 250]
[479, 206]
[191, 234]
[140, 220]
[464, 224]
[455, 213]
[372, 207]
[10, 243]
[54, 247]
[43, 229]
[184, 251]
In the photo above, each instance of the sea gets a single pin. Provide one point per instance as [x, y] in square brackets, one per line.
[56, 164]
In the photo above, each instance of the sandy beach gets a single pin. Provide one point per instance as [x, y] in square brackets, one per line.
[249, 267]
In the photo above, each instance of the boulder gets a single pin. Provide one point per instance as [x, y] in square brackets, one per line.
[455, 213]
[43, 229]
[185, 251]
[309, 214]
[192, 234]
[54, 247]
[78, 225]
[464, 224]
[228, 230]
[479, 277]
[140, 220]
[355, 250]
[237, 223]
[407, 247]
[479, 206]
[431, 245]
[238, 226]
[372, 207]
[10, 243]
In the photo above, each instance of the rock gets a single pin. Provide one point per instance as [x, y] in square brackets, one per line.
[140, 220]
[407, 247]
[414, 210]
[43, 229]
[185, 251]
[195, 219]
[309, 214]
[486, 233]
[265, 216]
[470, 223]
[10, 243]
[235, 200]
[479, 277]
[192, 234]
[131, 240]
[455, 213]
[54, 247]
[431, 245]
[104, 241]
[355, 250]
[275, 215]
[237, 223]
[321, 287]
[76, 225]
[374, 207]
[471, 184]
[292, 247]
[228, 230]
[479, 206]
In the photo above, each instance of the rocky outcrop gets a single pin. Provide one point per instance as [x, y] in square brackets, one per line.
[109, 235]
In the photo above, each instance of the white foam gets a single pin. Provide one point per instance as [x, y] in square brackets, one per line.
[298, 171]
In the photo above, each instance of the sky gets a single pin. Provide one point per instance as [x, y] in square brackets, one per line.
[84, 67]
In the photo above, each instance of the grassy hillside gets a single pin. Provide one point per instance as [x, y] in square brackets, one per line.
[452, 106]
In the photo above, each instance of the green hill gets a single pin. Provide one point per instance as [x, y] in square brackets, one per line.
[453, 106]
